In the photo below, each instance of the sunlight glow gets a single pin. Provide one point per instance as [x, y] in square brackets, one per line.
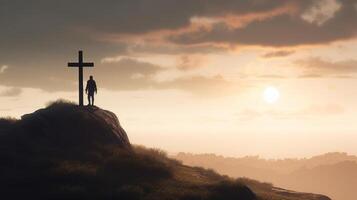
[271, 95]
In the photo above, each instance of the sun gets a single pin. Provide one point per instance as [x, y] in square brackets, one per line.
[271, 94]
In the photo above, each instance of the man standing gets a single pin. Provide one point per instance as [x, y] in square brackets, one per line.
[90, 89]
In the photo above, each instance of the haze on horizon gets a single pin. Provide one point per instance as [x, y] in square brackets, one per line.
[275, 78]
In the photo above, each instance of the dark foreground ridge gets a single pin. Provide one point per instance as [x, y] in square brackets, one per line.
[68, 152]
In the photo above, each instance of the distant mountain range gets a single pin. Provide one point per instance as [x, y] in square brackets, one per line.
[333, 174]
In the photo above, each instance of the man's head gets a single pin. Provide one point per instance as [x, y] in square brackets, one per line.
[91, 77]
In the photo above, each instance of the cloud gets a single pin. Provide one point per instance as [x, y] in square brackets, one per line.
[321, 11]
[58, 77]
[125, 73]
[131, 74]
[317, 67]
[49, 77]
[42, 36]
[52, 27]
[329, 109]
[51, 18]
[118, 73]
[189, 62]
[307, 75]
[277, 54]
[12, 92]
[3, 69]
[215, 86]
[173, 49]
[310, 111]
[287, 29]
[272, 76]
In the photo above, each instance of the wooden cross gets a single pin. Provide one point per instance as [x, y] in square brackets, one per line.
[80, 64]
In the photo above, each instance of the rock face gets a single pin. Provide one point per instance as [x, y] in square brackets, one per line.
[69, 126]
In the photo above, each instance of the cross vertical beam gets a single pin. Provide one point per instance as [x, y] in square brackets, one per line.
[80, 77]
[80, 66]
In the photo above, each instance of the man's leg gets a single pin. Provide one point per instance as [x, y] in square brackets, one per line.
[93, 100]
[88, 99]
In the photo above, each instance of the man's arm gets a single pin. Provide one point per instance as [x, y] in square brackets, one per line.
[95, 87]
[87, 88]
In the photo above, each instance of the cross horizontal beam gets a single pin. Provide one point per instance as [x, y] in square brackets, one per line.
[71, 64]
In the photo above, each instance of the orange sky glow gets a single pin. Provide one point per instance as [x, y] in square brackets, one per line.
[196, 80]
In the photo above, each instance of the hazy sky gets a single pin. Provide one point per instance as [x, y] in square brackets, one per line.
[192, 75]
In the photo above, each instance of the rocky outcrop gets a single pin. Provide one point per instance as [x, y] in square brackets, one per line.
[69, 126]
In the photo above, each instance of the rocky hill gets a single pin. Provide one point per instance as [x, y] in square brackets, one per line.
[70, 152]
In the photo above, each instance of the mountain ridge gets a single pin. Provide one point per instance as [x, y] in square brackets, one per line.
[333, 174]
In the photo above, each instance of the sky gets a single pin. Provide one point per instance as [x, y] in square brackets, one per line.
[274, 78]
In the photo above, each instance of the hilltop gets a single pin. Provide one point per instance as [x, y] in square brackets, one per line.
[69, 152]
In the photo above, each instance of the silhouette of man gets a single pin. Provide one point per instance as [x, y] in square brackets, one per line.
[90, 89]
